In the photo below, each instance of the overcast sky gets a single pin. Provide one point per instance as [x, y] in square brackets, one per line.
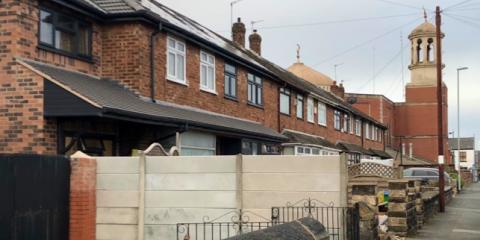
[362, 35]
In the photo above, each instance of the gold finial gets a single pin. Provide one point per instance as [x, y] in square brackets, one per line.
[298, 52]
[425, 14]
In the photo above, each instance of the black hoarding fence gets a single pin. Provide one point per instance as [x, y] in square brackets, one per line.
[34, 197]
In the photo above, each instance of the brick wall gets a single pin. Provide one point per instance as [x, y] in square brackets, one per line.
[121, 52]
[82, 197]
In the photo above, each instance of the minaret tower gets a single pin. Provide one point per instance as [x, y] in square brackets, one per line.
[423, 55]
[417, 118]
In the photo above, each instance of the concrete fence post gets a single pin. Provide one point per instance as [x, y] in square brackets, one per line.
[141, 195]
[83, 207]
[239, 181]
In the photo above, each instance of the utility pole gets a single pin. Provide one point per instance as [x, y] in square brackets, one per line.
[441, 160]
[457, 159]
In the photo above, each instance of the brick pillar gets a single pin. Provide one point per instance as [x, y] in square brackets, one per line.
[82, 197]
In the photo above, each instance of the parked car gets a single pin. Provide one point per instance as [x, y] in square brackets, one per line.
[425, 174]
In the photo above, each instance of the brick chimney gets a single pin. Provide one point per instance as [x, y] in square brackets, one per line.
[238, 32]
[338, 90]
[255, 42]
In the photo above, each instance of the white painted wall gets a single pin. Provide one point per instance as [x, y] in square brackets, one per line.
[470, 158]
[186, 189]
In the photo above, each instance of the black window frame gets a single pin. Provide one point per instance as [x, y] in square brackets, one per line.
[301, 99]
[251, 81]
[285, 92]
[55, 26]
[232, 76]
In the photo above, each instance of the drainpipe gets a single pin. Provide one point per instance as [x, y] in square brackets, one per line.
[152, 61]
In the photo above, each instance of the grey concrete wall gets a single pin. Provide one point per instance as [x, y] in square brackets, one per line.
[173, 190]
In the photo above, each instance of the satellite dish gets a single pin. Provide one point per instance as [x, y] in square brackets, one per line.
[352, 100]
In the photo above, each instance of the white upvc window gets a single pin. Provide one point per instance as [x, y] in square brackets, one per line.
[310, 115]
[374, 133]
[176, 60]
[346, 123]
[337, 124]
[358, 127]
[367, 131]
[207, 72]
[322, 114]
[352, 120]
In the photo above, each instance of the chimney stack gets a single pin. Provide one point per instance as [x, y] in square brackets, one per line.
[255, 42]
[238, 32]
[338, 90]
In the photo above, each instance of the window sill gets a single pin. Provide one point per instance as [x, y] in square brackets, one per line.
[312, 122]
[208, 91]
[255, 105]
[300, 118]
[177, 81]
[64, 53]
[230, 98]
[285, 114]
[322, 125]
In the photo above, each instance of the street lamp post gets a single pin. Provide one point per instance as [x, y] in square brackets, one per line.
[457, 159]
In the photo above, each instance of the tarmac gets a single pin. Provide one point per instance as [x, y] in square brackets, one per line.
[461, 219]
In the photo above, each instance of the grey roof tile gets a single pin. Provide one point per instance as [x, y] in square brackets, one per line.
[112, 97]
[465, 143]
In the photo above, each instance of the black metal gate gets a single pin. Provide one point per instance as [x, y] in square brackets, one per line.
[342, 223]
[34, 197]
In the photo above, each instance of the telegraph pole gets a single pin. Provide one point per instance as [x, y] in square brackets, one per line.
[441, 159]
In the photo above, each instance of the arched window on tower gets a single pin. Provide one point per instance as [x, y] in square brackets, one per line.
[430, 51]
[420, 56]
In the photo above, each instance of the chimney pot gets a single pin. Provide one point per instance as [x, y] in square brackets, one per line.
[238, 32]
[255, 42]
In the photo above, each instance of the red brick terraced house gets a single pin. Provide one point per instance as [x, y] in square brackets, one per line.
[111, 76]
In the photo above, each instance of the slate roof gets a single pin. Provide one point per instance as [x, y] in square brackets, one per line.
[115, 99]
[171, 17]
[465, 143]
[302, 138]
[352, 148]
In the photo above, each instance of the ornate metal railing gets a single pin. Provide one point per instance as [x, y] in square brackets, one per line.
[342, 223]
[218, 228]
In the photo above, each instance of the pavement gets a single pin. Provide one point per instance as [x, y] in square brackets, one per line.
[461, 219]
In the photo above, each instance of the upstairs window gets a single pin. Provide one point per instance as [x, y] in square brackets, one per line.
[176, 61]
[358, 127]
[285, 101]
[336, 120]
[346, 123]
[207, 72]
[322, 114]
[230, 81]
[255, 90]
[351, 124]
[367, 131]
[310, 115]
[299, 106]
[65, 34]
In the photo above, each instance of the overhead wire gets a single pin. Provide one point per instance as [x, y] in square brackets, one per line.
[465, 21]
[400, 4]
[357, 46]
[457, 5]
[380, 71]
[330, 22]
